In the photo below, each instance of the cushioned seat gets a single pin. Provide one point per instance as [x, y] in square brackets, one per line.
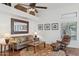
[61, 45]
[22, 41]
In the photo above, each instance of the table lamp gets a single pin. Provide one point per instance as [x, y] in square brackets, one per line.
[7, 37]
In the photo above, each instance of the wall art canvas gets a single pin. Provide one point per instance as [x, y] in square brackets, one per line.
[46, 26]
[54, 26]
[40, 26]
[19, 26]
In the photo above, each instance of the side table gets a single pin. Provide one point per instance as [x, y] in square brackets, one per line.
[4, 48]
[35, 44]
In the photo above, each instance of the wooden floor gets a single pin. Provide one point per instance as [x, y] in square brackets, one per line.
[41, 51]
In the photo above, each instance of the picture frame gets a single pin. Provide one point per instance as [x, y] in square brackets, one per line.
[47, 26]
[19, 26]
[54, 26]
[40, 26]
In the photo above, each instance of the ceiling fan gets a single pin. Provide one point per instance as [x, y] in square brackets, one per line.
[31, 8]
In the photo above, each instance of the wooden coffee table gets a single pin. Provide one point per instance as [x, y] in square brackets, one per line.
[35, 44]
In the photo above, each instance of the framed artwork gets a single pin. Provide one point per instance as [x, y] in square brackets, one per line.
[19, 26]
[54, 26]
[40, 26]
[46, 26]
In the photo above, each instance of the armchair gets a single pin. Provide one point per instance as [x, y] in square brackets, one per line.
[61, 45]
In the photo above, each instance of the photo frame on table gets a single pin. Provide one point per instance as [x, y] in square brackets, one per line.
[54, 26]
[19, 26]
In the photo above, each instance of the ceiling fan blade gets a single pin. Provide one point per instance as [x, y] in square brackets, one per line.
[41, 7]
[32, 4]
[24, 5]
[19, 7]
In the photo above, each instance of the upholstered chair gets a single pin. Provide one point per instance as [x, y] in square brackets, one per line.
[61, 45]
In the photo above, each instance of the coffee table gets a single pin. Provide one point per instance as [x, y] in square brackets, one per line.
[35, 44]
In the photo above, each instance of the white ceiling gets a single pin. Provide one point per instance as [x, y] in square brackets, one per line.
[56, 5]
[53, 5]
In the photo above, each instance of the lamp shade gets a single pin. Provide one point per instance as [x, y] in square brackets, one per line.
[35, 33]
[7, 35]
[38, 36]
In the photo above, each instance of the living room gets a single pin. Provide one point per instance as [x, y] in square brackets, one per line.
[45, 27]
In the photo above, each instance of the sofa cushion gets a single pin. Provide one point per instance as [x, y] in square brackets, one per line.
[17, 40]
[22, 39]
